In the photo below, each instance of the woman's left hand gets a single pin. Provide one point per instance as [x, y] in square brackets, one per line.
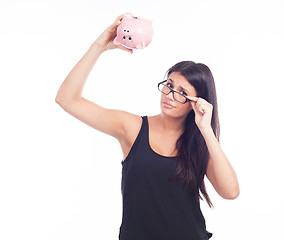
[203, 113]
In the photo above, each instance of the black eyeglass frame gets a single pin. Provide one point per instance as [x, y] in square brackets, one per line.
[172, 91]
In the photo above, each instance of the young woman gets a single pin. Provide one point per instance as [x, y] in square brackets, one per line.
[165, 156]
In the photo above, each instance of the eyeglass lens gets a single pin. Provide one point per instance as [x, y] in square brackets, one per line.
[166, 90]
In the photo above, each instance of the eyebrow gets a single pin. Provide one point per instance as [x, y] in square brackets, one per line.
[183, 89]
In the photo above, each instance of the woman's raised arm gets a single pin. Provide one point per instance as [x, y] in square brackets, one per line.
[69, 96]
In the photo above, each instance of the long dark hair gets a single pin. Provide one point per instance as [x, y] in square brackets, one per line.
[192, 150]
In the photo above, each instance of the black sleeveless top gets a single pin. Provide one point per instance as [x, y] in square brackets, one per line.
[154, 206]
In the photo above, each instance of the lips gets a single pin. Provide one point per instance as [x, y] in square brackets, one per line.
[168, 105]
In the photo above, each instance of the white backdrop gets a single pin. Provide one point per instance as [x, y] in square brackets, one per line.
[60, 179]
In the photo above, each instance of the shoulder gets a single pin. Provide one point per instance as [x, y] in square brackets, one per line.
[131, 126]
[132, 122]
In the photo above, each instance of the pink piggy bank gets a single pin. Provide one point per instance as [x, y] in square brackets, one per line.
[134, 32]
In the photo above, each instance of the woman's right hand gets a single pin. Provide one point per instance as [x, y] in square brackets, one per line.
[105, 40]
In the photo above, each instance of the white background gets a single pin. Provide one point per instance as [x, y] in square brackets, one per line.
[60, 179]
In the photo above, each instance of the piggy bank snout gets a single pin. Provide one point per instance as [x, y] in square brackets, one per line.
[127, 38]
[127, 35]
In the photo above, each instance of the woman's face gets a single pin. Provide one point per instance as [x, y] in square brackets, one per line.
[169, 105]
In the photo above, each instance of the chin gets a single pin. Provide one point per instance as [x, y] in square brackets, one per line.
[170, 113]
[173, 113]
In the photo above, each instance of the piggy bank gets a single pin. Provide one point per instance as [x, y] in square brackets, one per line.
[134, 33]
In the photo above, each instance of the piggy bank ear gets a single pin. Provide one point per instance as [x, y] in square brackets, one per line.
[149, 21]
[127, 16]
[141, 45]
[115, 41]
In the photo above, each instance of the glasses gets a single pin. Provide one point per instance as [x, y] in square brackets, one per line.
[167, 90]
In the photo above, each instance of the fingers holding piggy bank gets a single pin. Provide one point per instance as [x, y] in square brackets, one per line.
[133, 32]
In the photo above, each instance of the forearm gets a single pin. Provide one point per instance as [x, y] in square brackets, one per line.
[220, 171]
[72, 86]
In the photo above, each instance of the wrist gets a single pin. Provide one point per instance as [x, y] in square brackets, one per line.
[96, 47]
[207, 132]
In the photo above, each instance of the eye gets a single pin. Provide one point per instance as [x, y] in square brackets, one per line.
[183, 93]
[169, 85]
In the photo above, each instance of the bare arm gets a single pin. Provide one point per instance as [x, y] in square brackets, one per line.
[69, 96]
[219, 170]
[72, 87]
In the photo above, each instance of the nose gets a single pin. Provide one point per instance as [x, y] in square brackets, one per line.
[170, 96]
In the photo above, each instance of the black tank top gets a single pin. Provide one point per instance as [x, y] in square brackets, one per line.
[156, 207]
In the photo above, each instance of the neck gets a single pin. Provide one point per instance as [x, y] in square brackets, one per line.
[172, 125]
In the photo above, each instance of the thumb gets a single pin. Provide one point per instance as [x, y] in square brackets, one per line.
[125, 49]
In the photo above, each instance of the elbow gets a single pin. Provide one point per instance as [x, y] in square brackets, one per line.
[58, 97]
[233, 194]
[65, 100]
[61, 101]
[57, 100]
[65, 103]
